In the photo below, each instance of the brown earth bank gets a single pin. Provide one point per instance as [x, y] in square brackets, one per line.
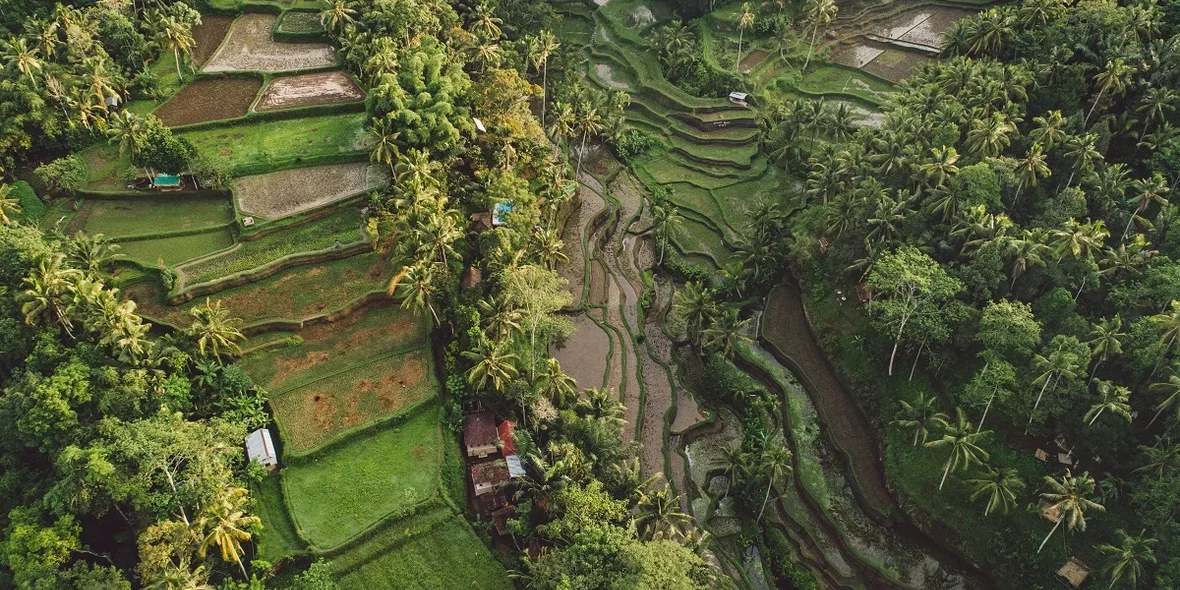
[209, 100]
[309, 90]
[208, 36]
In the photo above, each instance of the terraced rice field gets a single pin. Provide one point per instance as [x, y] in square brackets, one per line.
[209, 100]
[153, 214]
[308, 90]
[250, 47]
[279, 194]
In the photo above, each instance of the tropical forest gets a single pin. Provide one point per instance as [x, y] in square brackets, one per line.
[589, 294]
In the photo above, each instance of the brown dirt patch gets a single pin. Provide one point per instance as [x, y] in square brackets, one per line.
[288, 366]
[584, 355]
[208, 36]
[209, 100]
[753, 60]
[250, 46]
[308, 90]
[279, 194]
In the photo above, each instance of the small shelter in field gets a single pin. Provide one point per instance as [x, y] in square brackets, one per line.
[1075, 571]
[479, 434]
[167, 182]
[260, 448]
[739, 98]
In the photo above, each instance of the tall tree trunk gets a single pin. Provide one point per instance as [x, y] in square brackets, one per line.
[811, 46]
[1097, 100]
[1127, 229]
[896, 343]
[737, 62]
[764, 499]
[945, 473]
[1095, 418]
[1038, 404]
[1154, 418]
[916, 357]
[544, 90]
[1094, 371]
[1051, 531]
[176, 55]
[581, 154]
[987, 408]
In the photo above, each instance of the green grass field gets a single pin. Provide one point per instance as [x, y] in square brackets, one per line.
[278, 537]
[431, 551]
[338, 229]
[327, 348]
[349, 488]
[159, 213]
[176, 249]
[316, 413]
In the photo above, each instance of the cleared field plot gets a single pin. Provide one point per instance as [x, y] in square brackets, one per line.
[857, 55]
[353, 486]
[930, 32]
[753, 60]
[250, 46]
[209, 100]
[278, 537]
[278, 143]
[895, 64]
[208, 36]
[309, 89]
[176, 249]
[335, 230]
[584, 354]
[327, 348]
[301, 22]
[126, 217]
[311, 415]
[292, 294]
[432, 551]
[287, 192]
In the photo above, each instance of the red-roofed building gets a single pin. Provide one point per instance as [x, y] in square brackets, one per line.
[479, 434]
[507, 446]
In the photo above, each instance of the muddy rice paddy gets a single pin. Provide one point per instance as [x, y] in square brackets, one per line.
[208, 36]
[309, 89]
[209, 100]
[584, 355]
[279, 194]
[753, 60]
[250, 46]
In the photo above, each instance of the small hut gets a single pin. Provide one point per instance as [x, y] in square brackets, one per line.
[481, 221]
[167, 182]
[479, 434]
[1075, 571]
[739, 98]
[260, 448]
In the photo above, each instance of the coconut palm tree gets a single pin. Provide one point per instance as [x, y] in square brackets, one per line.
[176, 37]
[485, 25]
[1167, 323]
[1113, 79]
[1157, 101]
[1147, 191]
[1079, 240]
[658, 515]
[89, 253]
[1049, 130]
[1105, 341]
[601, 403]
[962, 439]
[1113, 399]
[418, 291]
[1082, 152]
[502, 319]
[737, 466]
[1031, 169]
[589, 123]
[550, 248]
[666, 223]
[989, 136]
[17, 53]
[9, 206]
[223, 525]
[416, 171]
[48, 288]
[494, 365]
[556, 384]
[564, 123]
[817, 13]
[774, 464]
[921, 416]
[1068, 496]
[127, 129]
[385, 150]
[941, 165]
[540, 48]
[1026, 252]
[1050, 370]
[725, 332]
[1170, 390]
[337, 15]
[745, 21]
[1124, 563]
[697, 304]
[998, 487]
[542, 480]
[214, 330]
[1161, 460]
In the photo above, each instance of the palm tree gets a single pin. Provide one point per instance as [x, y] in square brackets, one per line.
[1068, 497]
[556, 384]
[962, 440]
[176, 37]
[127, 129]
[589, 123]
[698, 306]
[1031, 169]
[666, 223]
[1082, 152]
[737, 466]
[817, 13]
[223, 525]
[1049, 130]
[1105, 341]
[1147, 191]
[493, 364]
[89, 253]
[502, 318]
[48, 287]
[1161, 460]
[485, 25]
[540, 48]
[1114, 398]
[1170, 389]
[998, 486]
[1167, 323]
[745, 21]
[775, 464]
[1026, 252]
[385, 150]
[214, 330]
[1114, 78]
[1155, 104]
[417, 171]
[725, 332]
[1059, 364]
[601, 403]
[990, 135]
[564, 123]
[24, 58]
[921, 416]
[1124, 563]
[941, 166]
[337, 15]
[659, 516]
[418, 293]
[1079, 240]
[9, 206]
[542, 480]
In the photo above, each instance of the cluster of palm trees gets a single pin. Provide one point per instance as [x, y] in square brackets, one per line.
[755, 466]
[223, 525]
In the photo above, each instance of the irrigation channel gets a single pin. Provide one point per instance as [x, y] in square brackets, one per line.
[837, 511]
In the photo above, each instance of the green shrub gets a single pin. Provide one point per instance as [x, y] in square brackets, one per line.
[65, 174]
[635, 143]
[31, 207]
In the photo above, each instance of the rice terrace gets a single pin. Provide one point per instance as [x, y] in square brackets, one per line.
[602, 294]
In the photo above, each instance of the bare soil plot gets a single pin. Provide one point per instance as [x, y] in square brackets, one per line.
[209, 100]
[584, 355]
[930, 31]
[857, 55]
[313, 414]
[287, 192]
[898, 26]
[895, 64]
[308, 90]
[250, 46]
[753, 60]
[208, 36]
